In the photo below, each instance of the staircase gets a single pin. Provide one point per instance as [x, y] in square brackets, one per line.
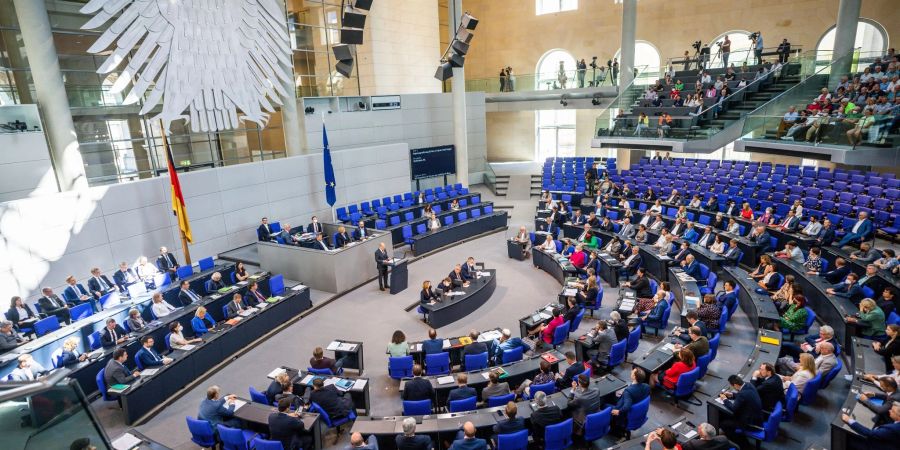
[501, 185]
[754, 100]
[536, 185]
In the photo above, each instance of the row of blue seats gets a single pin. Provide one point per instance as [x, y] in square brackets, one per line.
[421, 228]
[383, 222]
[405, 200]
[778, 168]
[821, 181]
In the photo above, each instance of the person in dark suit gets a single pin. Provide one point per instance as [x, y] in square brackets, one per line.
[276, 387]
[631, 263]
[217, 410]
[683, 252]
[409, 440]
[330, 399]
[314, 226]
[462, 391]
[745, 408]
[116, 372]
[826, 234]
[427, 294]
[640, 284]
[691, 267]
[881, 437]
[235, 306]
[186, 295]
[469, 272]
[545, 414]
[838, 273]
[70, 354]
[432, 344]
[456, 276]
[733, 252]
[264, 232]
[215, 283]
[761, 239]
[361, 233]
[253, 297]
[466, 439]
[729, 299]
[418, 388]
[20, 314]
[321, 243]
[166, 262]
[124, 277]
[790, 222]
[571, 373]
[381, 261]
[510, 424]
[707, 440]
[768, 386]
[52, 305]
[476, 348]
[287, 427]
[849, 288]
[694, 320]
[113, 334]
[887, 397]
[148, 356]
[634, 393]
[75, 293]
[342, 238]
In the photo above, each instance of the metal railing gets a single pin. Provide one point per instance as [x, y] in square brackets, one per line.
[547, 81]
[626, 98]
[490, 178]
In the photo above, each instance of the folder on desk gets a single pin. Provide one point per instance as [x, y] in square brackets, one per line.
[118, 388]
[233, 321]
[225, 289]
[768, 340]
[344, 384]
[549, 357]
[465, 340]
[274, 299]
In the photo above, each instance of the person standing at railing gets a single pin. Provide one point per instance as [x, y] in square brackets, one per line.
[561, 76]
[615, 72]
[758, 46]
[502, 79]
[582, 69]
[784, 50]
[726, 50]
[643, 124]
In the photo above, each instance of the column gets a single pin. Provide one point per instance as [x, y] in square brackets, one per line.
[290, 120]
[626, 57]
[844, 38]
[51, 94]
[458, 85]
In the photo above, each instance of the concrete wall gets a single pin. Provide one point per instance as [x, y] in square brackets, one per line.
[44, 239]
[511, 136]
[25, 165]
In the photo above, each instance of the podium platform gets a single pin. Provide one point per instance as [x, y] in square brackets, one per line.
[398, 276]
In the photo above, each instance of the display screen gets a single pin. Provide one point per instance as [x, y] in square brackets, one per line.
[432, 162]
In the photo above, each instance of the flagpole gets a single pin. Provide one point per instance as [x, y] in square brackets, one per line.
[331, 207]
[184, 242]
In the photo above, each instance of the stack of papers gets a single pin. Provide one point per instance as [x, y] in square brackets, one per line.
[627, 304]
[341, 346]
[298, 287]
[148, 372]
[276, 372]
[247, 312]
[569, 292]
[446, 344]
[484, 274]
[238, 403]
[489, 336]
[186, 347]
[126, 441]
[445, 380]
[359, 383]
[669, 347]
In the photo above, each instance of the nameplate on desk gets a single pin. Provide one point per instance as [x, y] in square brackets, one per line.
[148, 372]
[769, 340]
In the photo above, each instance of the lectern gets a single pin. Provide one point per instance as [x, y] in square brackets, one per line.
[398, 275]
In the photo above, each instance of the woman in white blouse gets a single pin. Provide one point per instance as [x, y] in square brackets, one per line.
[798, 209]
[718, 247]
[806, 372]
[657, 206]
[734, 227]
[549, 246]
[433, 222]
[176, 339]
[160, 307]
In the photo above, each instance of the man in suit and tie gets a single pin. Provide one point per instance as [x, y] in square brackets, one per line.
[683, 252]
[409, 440]
[466, 439]
[826, 235]
[52, 305]
[550, 226]
[75, 293]
[124, 277]
[287, 427]
[592, 220]
[235, 306]
[320, 243]
[745, 408]
[475, 348]
[99, 284]
[334, 402]
[564, 380]
[848, 289]
[769, 386]
[691, 267]
[707, 440]
[116, 372]
[679, 227]
[166, 263]
[469, 272]
[314, 226]
[216, 410]
[674, 198]
[148, 356]
[286, 235]
[546, 413]
[360, 233]
[382, 260]
[113, 334]
[731, 208]
[733, 252]
[883, 436]
[186, 295]
[462, 390]
[729, 299]
[418, 388]
[690, 234]
[634, 393]
[693, 319]
[630, 265]
[627, 229]
[838, 272]
[456, 276]
[578, 219]
[707, 239]
[860, 231]
[760, 238]
[264, 232]
[28, 369]
[253, 297]
[790, 222]
[510, 424]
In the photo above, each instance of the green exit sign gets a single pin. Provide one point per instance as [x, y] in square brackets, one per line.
[185, 162]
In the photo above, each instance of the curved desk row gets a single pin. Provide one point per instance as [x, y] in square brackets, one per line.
[458, 231]
[302, 380]
[416, 209]
[864, 360]
[454, 307]
[397, 230]
[702, 254]
[883, 278]
[538, 317]
[453, 346]
[556, 265]
[759, 308]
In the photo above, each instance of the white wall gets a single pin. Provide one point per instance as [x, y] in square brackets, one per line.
[46, 238]
[25, 165]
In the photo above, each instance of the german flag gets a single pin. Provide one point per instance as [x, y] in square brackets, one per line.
[178, 207]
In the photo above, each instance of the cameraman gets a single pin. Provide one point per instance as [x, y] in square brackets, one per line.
[725, 48]
[757, 40]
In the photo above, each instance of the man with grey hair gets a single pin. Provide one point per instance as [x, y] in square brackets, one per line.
[508, 343]
[619, 326]
[409, 441]
[9, 339]
[545, 413]
[707, 440]
[793, 351]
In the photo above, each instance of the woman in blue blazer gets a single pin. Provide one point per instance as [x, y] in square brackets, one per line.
[200, 321]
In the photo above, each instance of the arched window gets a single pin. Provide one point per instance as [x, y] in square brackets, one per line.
[555, 133]
[646, 57]
[871, 39]
[555, 70]
[741, 49]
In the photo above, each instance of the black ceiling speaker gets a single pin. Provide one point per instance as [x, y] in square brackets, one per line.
[444, 72]
[344, 67]
[362, 4]
[353, 20]
[351, 36]
[456, 60]
[464, 36]
[460, 47]
[469, 22]
[342, 52]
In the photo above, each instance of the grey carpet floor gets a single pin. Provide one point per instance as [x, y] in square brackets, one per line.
[369, 315]
[519, 187]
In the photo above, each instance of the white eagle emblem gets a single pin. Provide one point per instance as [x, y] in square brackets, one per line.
[210, 58]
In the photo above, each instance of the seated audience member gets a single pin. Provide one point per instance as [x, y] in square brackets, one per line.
[113, 334]
[698, 345]
[342, 238]
[683, 252]
[432, 344]
[869, 319]
[494, 387]
[331, 400]
[99, 284]
[508, 342]
[862, 229]
[462, 390]
[235, 307]
[744, 409]
[218, 410]
[20, 314]
[398, 345]
[718, 246]
[865, 254]
[769, 281]
[148, 356]
[891, 347]
[546, 414]
[468, 270]
[186, 295]
[320, 243]
[634, 393]
[75, 293]
[837, 273]
[319, 361]
[287, 427]
[124, 277]
[176, 336]
[70, 354]
[466, 439]
[707, 439]
[619, 325]
[417, 388]
[433, 222]
[685, 362]
[889, 301]
[253, 297]
[710, 312]
[146, 272]
[826, 234]
[215, 283]
[28, 369]
[545, 375]
[240, 272]
[134, 321]
[729, 299]
[794, 317]
[693, 320]
[880, 437]
[572, 310]
[786, 292]
[202, 322]
[888, 260]
[314, 226]
[456, 276]
[276, 387]
[575, 367]
[666, 437]
[118, 373]
[357, 442]
[52, 305]
[660, 304]
[640, 284]
[768, 386]
[813, 263]
[361, 233]
[586, 399]
[759, 272]
[510, 424]
[546, 330]
[598, 343]
[587, 292]
[812, 228]
[806, 370]
[409, 440]
[791, 251]
[445, 287]
[160, 307]
[888, 395]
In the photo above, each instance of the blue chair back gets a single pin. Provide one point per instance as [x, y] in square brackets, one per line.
[634, 339]
[686, 382]
[577, 321]
[547, 388]
[832, 373]
[400, 367]
[81, 311]
[637, 415]
[617, 354]
[184, 271]
[202, 432]
[893, 318]
[770, 428]
[265, 444]
[101, 384]
[466, 404]
[596, 425]
[714, 346]
[475, 362]
[325, 371]
[560, 334]
[46, 325]
[558, 436]
[811, 390]
[513, 441]
[792, 397]
[258, 397]
[207, 263]
[168, 338]
[416, 407]
[512, 355]
[56, 358]
[233, 438]
[868, 292]
[703, 364]
[437, 363]
[94, 340]
[276, 284]
[501, 400]
[653, 285]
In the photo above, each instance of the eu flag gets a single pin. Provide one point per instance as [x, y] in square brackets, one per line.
[330, 194]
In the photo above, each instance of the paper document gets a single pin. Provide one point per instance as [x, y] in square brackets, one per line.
[484, 274]
[446, 343]
[665, 258]
[445, 380]
[298, 287]
[333, 346]
[690, 434]
[238, 403]
[359, 383]
[669, 347]
[570, 292]
[242, 283]
[186, 347]
[346, 347]
[247, 312]
[489, 336]
[276, 372]
[126, 441]
[148, 372]
[629, 294]
[720, 401]
[330, 381]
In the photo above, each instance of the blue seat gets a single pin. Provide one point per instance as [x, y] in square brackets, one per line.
[342, 214]
[94, 340]
[202, 432]
[81, 311]
[769, 430]
[207, 263]
[476, 362]
[596, 425]
[462, 216]
[832, 373]
[265, 444]
[560, 334]
[328, 420]
[466, 404]
[501, 400]
[634, 339]
[811, 390]
[893, 318]
[558, 436]
[276, 284]
[513, 441]
[437, 364]
[184, 271]
[100, 379]
[326, 371]
[810, 319]
[448, 220]
[710, 286]
[46, 325]
[420, 228]
[792, 398]
[660, 324]
[547, 388]
[703, 363]
[576, 322]
[407, 234]
[512, 355]
[167, 338]
[400, 367]
[416, 407]
[684, 388]
[637, 416]
[476, 213]
[597, 300]
[714, 346]
[235, 438]
[258, 397]
[366, 208]
[617, 354]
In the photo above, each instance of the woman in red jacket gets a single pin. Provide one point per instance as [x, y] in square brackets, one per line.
[669, 378]
[547, 330]
[578, 258]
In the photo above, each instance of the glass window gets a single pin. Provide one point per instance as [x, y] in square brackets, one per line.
[741, 49]
[555, 70]
[555, 134]
[554, 6]
[871, 39]
[646, 59]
